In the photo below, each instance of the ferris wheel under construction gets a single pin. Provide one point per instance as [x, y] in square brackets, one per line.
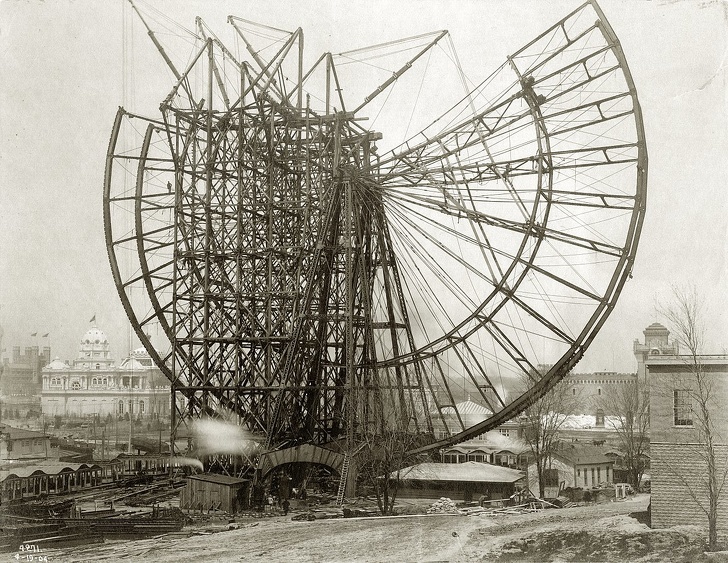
[315, 286]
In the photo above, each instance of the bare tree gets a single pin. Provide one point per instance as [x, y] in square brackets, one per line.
[380, 462]
[383, 449]
[684, 315]
[540, 424]
[628, 406]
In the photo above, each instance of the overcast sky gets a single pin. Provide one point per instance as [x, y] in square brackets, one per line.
[63, 77]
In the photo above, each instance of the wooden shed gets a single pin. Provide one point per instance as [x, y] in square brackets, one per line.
[209, 491]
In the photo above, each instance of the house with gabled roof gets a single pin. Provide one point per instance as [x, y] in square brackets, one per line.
[573, 465]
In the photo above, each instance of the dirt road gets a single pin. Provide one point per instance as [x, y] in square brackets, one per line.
[601, 532]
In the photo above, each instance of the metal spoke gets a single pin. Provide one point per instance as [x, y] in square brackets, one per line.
[318, 288]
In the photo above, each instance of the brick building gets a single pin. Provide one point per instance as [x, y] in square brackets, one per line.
[676, 448]
[657, 343]
[592, 387]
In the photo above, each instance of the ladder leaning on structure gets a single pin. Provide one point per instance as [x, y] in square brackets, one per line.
[342, 480]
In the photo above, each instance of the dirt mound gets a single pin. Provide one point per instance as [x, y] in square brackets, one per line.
[613, 539]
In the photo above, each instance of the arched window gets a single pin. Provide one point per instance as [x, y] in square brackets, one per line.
[98, 366]
[141, 407]
[121, 407]
[75, 385]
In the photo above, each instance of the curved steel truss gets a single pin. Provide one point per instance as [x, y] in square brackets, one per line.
[318, 287]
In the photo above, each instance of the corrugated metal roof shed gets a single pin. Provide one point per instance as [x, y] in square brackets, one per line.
[47, 468]
[471, 471]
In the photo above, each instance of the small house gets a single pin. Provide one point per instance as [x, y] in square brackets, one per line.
[573, 465]
[19, 443]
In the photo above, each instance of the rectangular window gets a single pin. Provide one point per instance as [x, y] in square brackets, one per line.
[682, 407]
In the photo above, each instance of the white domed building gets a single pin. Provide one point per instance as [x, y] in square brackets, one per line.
[93, 384]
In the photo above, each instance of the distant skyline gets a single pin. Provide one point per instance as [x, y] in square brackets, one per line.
[66, 71]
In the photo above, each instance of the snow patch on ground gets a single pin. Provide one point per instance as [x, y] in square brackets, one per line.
[596, 532]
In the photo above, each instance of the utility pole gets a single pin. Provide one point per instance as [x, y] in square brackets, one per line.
[131, 393]
[45, 442]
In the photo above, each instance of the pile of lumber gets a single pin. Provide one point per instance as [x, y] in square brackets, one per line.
[518, 509]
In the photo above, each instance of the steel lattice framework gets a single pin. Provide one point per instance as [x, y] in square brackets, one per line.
[317, 288]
